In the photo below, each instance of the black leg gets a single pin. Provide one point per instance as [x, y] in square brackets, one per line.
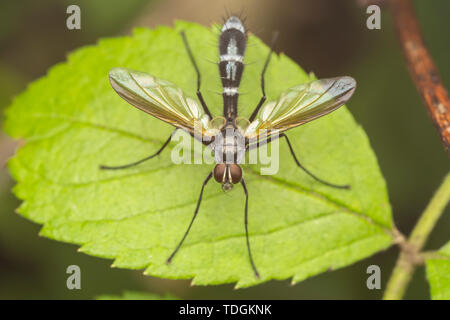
[263, 98]
[308, 172]
[192, 221]
[140, 161]
[270, 139]
[199, 94]
[246, 229]
[257, 144]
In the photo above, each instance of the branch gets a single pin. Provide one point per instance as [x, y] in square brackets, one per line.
[410, 255]
[422, 68]
[431, 214]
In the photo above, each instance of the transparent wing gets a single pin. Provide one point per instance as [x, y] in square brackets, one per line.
[162, 100]
[301, 104]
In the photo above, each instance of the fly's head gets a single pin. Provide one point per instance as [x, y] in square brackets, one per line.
[227, 175]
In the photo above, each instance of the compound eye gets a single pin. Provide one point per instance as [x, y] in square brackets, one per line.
[219, 172]
[235, 173]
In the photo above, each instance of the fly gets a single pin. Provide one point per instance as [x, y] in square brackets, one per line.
[230, 136]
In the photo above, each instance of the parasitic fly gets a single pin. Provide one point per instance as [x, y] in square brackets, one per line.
[230, 136]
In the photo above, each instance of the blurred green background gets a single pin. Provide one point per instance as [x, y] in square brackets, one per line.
[327, 37]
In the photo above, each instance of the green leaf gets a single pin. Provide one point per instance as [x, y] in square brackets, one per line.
[135, 295]
[73, 121]
[438, 274]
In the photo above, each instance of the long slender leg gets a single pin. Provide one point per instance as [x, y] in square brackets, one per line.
[191, 56]
[192, 221]
[263, 98]
[257, 144]
[139, 161]
[270, 139]
[246, 229]
[308, 172]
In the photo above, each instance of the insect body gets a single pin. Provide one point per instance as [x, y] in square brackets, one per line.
[230, 136]
[232, 44]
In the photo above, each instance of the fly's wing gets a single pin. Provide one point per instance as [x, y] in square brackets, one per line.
[301, 104]
[159, 98]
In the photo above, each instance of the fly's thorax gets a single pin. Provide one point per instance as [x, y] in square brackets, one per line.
[229, 146]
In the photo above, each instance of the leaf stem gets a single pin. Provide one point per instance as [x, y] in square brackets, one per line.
[410, 250]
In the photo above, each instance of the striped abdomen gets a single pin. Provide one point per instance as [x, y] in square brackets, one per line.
[232, 43]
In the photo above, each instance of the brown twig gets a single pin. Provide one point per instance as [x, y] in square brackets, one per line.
[422, 68]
